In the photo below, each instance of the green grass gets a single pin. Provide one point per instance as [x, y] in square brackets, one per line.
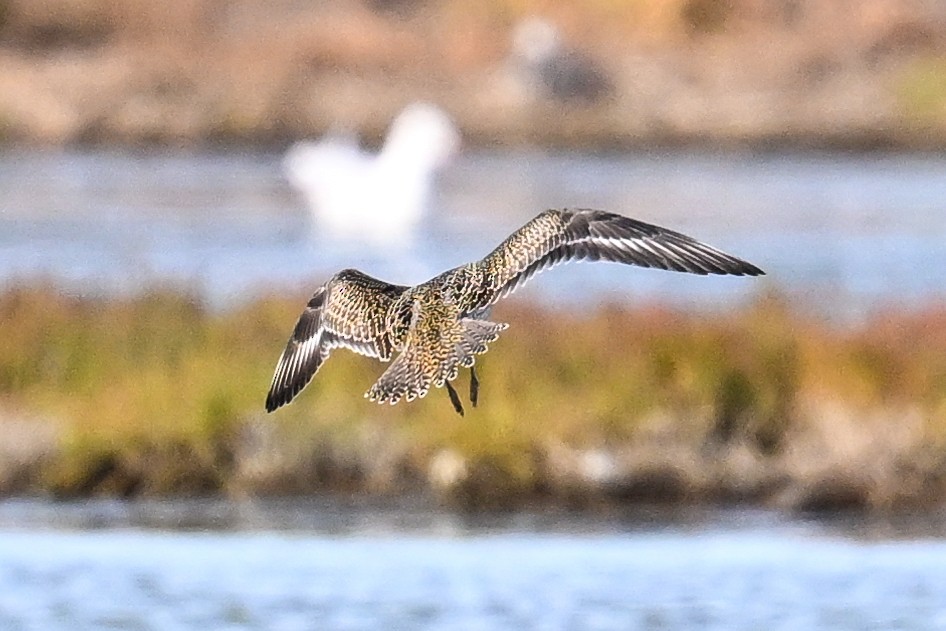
[921, 92]
[157, 395]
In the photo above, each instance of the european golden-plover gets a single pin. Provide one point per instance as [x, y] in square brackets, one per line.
[439, 326]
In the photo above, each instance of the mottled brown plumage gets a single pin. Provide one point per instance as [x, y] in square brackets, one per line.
[439, 326]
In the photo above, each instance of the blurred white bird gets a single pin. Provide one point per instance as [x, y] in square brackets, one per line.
[380, 198]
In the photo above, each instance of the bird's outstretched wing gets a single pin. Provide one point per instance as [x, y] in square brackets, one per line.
[349, 312]
[557, 236]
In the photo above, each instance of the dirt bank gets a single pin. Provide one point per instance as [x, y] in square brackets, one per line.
[735, 72]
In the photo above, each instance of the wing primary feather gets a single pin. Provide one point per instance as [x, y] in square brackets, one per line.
[556, 236]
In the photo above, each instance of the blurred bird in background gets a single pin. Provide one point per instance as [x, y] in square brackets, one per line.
[549, 70]
[374, 198]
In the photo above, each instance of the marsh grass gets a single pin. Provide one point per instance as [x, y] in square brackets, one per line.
[157, 395]
[921, 92]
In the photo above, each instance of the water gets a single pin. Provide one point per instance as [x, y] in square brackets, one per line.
[840, 233]
[324, 565]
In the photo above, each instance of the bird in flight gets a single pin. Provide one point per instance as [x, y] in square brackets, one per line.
[439, 326]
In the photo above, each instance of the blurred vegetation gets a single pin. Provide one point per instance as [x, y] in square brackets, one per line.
[156, 395]
[922, 92]
[706, 16]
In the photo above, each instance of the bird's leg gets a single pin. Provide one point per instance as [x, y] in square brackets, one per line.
[454, 398]
[474, 386]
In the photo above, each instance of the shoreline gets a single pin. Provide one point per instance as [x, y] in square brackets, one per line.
[95, 73]
[597, 143]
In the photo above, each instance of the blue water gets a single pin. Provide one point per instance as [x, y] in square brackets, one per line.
[842, 234]
[838, 233]
[320, 566]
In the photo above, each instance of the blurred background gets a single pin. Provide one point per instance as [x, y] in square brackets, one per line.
[652, 450]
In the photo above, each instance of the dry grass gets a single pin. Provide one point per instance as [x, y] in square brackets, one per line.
[155, 395]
